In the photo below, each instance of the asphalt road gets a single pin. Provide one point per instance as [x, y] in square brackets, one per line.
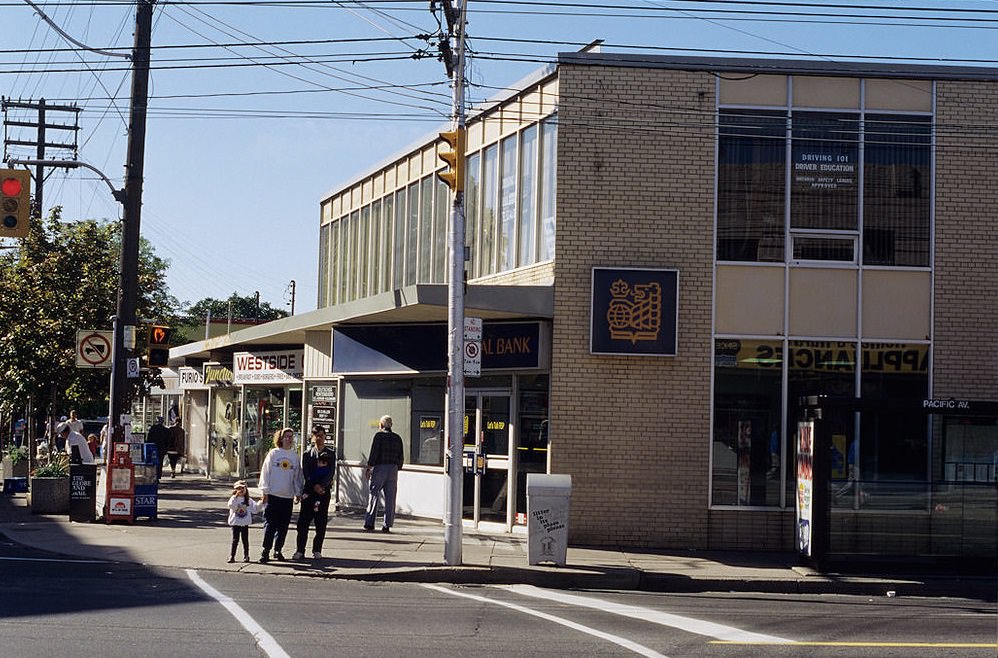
[56, 606]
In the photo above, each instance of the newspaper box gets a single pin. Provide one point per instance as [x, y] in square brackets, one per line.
[547, 517]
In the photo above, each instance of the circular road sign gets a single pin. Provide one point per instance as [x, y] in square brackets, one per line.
[95, 349]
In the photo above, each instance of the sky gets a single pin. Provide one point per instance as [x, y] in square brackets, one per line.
[259, 109]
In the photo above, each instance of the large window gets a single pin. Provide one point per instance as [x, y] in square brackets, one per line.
[507, 205]
[490, 210]
[549, 179]
[825, 175]
[527, 207]
[751, 180]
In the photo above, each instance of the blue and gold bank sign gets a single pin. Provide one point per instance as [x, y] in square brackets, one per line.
[634, 311]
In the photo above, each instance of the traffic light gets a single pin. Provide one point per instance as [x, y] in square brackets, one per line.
[454, 157]
[15, 202]
[159, 345]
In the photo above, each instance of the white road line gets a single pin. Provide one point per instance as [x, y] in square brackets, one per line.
[263, 639]
[689, 624]
[639, 649]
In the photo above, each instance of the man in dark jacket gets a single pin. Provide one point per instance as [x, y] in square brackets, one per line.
[160, 436]
[318, 464]
[383, 464]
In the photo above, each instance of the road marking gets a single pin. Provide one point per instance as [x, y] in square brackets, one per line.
[698, 626]
[263, 639]
[901, 645]
[639, 649]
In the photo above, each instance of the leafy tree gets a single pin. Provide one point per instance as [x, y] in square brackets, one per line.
[64, 277]
[243, 308]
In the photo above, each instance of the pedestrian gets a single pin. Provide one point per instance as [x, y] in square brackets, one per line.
[241, 511]
[160, 437]
[318, 464]
[75, 423]
[383, 464]
[94, 444]
[76, 445]
[281, 483]
[176, 448]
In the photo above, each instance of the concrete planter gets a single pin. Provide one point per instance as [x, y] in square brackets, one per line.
[49, 495]
[18, 470]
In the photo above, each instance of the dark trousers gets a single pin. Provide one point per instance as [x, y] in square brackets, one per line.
[240, 532]
[314, 508]
[276, 519]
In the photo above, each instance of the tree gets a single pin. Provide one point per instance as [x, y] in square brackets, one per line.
[244, 308]
[64, 277]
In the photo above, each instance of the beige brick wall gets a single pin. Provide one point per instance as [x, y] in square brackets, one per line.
[541, 274]
[966, 257]
[635, 189]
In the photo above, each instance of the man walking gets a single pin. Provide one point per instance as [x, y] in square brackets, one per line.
[318, 464]
[160, 437]
[383, 464]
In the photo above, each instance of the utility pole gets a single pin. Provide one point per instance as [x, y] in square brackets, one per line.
[291, 291]
[131, 220]
[41, 140]
[454, 62]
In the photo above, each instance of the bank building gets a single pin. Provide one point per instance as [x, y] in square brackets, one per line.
[744, 303]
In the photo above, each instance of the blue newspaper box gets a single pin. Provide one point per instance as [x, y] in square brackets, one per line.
[146, 484]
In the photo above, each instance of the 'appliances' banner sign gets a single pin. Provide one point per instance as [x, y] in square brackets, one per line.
[284, 367]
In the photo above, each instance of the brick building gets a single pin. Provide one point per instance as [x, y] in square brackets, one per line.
[696, 275]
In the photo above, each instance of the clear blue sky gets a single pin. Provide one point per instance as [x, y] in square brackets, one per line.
[244, 140]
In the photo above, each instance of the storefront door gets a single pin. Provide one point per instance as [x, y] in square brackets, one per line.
[487, 456]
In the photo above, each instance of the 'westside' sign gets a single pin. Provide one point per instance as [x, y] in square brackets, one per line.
[283, 367]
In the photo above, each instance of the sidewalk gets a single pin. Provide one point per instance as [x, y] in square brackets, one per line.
[191, 532]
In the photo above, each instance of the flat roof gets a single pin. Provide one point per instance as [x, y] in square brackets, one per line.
[762, 66]
[417, 303]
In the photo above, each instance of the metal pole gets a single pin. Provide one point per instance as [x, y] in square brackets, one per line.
[131, 220]
[40, 153]
[455, 333]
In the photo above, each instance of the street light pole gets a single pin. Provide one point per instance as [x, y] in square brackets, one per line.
[131, 219]
[453, 530]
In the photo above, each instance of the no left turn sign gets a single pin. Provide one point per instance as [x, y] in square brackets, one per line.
[93, 348]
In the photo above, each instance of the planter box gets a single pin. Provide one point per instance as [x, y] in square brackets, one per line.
[49, 495]
[18, 470]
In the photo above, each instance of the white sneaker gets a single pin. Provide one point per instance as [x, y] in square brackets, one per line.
[317, 555]
[298, 556]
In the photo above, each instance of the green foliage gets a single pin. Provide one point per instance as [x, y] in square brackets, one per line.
[17, 454]
[58, 467]
[243, 308]
[62, 278]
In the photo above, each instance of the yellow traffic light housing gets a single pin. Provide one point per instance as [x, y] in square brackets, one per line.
[15, 202]
[454, 177]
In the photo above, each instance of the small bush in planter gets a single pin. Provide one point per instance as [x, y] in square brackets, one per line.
[17, 454]
[58, 467]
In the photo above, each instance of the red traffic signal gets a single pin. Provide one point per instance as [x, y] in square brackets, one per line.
[15, 203]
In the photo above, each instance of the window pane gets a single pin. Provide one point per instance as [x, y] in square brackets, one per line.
[398, 264]
[824, 190]
[412, 238]
[472, 206]
[426, 229]
[897, 181]
[824, 248]
[549, 162]
[363, 260]
[441, 219]
[323, 299]
[335, 264]
[489, 209]
[388, 223]
[344, 267]
[527, 209]
[507, 205]
[375, 249]
[748, 383]
[354, 254]
[750, 185]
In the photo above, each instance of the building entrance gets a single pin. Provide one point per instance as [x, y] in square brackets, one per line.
[487, 459]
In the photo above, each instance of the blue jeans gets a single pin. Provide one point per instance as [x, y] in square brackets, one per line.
[384, 478]
[276, 519]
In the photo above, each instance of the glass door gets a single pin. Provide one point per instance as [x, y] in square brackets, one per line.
[486, 456]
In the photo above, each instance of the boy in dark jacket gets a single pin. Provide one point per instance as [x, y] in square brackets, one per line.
[318, 464]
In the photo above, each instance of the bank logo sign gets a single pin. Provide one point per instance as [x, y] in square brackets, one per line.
[634, 311]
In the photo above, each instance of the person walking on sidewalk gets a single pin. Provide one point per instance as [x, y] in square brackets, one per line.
[177, 447]
[281, 483]
[318, 464]
[241, 511]
[383, 464]
[160, 437]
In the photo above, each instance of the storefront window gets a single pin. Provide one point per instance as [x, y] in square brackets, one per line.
[532, 435]
[750, 185]
[427, 442]
[224, 432]
[364, 403]
[747, 443]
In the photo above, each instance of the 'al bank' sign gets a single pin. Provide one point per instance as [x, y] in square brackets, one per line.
[282, 367]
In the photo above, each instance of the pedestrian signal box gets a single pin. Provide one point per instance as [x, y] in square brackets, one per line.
[160, 338]
[15, 202]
